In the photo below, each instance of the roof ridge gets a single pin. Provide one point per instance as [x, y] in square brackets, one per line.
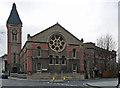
[46, 29]
[53, 26]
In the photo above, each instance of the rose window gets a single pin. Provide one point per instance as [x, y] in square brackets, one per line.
[57, 43]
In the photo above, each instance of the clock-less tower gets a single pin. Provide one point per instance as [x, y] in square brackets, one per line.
[14, 32]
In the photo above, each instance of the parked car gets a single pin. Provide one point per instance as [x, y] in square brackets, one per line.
[4, 76]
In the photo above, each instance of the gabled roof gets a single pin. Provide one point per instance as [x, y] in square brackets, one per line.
[53, 26]
[14, 16]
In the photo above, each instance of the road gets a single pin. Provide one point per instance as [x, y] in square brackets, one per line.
[10, 83]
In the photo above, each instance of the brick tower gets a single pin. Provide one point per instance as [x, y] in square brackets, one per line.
[14, 31]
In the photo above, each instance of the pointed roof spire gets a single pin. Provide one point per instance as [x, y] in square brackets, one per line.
[14, 5]
[14, 16]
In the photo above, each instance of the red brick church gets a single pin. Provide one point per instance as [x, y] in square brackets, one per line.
[53, 50]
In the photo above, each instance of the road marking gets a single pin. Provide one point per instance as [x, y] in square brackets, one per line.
[84, 84]
[71, 85]
[62, 84]
[58, 83]
[66, 84]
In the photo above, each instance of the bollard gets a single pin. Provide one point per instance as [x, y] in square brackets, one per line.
[64, 78]
[53, 78]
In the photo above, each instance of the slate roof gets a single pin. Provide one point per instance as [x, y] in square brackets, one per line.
[14, 16]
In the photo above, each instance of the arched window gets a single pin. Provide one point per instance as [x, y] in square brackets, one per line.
[14, 35]
[38, 66]
[14, 57]
[51, 57]
[63, 60]
[57, 60]
[38, 51]
[26, 66]
[74, 52]
[74, 67]
[63, 57]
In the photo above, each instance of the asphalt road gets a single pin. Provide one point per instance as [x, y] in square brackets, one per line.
[10, 83]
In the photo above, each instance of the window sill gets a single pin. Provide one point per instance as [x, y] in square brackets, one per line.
[38, 70]
[54, 64]
[57, 64]
[51, 64]
[74, 70]
[74, 57]
[38, 56]
[63, 64]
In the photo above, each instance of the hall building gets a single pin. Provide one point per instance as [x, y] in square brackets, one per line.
[53, 50]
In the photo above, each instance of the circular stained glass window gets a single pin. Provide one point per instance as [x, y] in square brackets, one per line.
[57, 43]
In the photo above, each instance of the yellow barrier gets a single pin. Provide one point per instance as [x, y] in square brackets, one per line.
[53, 78]
[64, 78]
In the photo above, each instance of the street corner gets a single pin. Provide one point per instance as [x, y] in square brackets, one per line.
[93, 85]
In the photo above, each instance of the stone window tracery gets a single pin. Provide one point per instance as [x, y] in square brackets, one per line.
[57, 43]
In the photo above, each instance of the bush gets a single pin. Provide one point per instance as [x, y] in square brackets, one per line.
[113, 74]
[109, 74]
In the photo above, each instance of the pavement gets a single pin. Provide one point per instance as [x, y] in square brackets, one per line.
[15, 78]
[37, 80]
[103, 84]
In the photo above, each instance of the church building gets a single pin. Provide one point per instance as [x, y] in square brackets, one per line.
[53, 50]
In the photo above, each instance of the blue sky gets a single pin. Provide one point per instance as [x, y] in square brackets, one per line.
[87, 19]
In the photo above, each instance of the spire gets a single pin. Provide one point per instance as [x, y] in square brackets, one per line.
[14, 16]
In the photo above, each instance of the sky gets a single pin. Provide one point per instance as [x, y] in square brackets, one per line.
[87, 19]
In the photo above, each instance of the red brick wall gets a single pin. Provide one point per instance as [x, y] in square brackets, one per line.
[43, 46]
[9, 51]
[9, 40]
[82, 61]
[70, 48]
[29, 60]
[29, 64]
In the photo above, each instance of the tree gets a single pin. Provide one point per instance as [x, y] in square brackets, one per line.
[106, 42]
